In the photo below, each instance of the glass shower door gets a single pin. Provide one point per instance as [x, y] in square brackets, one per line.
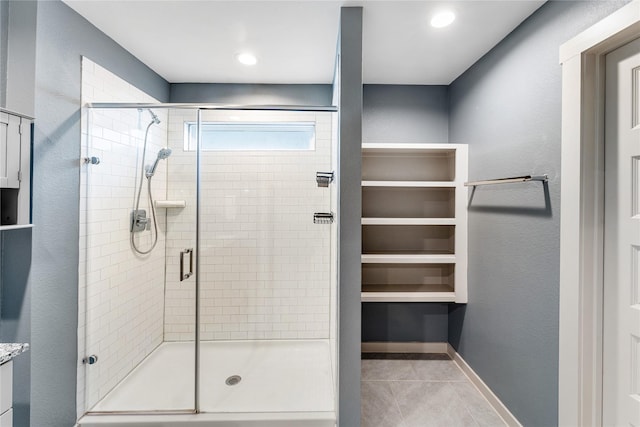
[137, 259]
[265, 262]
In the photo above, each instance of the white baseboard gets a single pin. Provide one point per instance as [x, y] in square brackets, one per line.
[484, 389]
[404, 347]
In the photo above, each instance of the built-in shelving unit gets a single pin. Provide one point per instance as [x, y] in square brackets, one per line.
[414, 222]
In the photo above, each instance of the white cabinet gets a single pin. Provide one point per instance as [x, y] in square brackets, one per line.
[15, 173]
[6, 394]
[6, 419]
[10, 130]
[414, 222]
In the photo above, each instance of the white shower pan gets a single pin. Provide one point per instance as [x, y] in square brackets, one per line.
[242, 384]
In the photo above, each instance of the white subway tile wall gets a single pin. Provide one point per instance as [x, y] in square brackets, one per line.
[121, 293]
[265, 266]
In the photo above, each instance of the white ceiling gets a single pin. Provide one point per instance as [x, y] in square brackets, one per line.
[295, 41]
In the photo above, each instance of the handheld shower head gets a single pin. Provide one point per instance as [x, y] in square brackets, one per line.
[162, 154]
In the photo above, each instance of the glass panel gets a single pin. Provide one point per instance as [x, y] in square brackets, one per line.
[252, 136]
[266, 273]
[139, 322]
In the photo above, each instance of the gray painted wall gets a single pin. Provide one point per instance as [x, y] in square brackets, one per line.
[398, 113]
[507, 108]
[405, 113]
[264, 94]
[405, 322]
[62, 37]
[350, 209]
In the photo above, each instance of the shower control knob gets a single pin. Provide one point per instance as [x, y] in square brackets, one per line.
[90, 360]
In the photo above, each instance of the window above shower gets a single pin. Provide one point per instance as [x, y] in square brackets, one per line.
[252, 136]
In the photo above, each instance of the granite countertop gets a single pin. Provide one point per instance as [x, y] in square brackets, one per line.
[10, 350]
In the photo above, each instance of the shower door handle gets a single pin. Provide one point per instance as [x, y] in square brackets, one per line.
[183, 275]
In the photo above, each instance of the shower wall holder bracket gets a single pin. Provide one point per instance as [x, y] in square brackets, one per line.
[324, 178]
[323, 218]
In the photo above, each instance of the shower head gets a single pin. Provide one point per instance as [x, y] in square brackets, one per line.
[155, 119]
[162, 154]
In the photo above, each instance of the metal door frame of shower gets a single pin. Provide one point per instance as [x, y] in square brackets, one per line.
[201, 106]
[196, 379]
[206, 107]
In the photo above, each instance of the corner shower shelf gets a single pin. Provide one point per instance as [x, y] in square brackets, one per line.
[170, 204]
[414, 223]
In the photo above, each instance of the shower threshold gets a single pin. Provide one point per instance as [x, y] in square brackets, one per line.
[242, 383]
[267, 419]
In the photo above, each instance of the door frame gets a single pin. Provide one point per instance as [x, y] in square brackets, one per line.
[582, 215]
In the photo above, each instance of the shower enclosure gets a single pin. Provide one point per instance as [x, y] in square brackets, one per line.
[218, 299]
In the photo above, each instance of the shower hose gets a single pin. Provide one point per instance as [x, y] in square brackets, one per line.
[153, 209]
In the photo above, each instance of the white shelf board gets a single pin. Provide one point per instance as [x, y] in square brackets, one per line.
[390, 147]
[408, 259]
[421, 184]
[170, 204]
[408, 221]
[408, 296]
[15, 227]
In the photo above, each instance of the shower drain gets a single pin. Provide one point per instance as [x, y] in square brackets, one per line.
[233, 380]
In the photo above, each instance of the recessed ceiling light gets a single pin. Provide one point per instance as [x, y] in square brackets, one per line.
[247, 58]
[442, 19]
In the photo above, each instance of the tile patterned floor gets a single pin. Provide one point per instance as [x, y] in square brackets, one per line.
[422, 390]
